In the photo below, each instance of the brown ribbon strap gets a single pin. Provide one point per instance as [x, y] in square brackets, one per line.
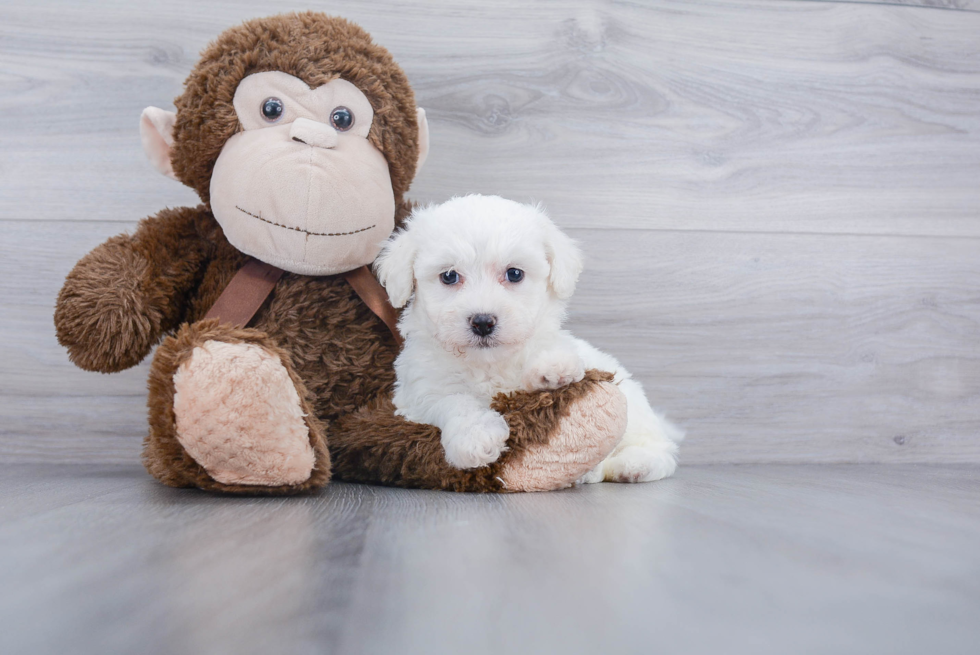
[245, 293]
[254, 281]
[375, 297]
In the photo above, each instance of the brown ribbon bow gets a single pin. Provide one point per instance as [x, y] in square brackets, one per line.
[254, 281]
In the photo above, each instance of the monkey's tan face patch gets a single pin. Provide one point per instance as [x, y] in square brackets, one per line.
[301, 187]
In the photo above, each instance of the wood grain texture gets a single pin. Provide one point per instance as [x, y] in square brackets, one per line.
[728, 559]
[765, 347]
[834, 348]
[780, 200]
[749, 115]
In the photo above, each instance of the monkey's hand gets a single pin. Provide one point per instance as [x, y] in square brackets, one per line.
[103, 316]
[123, 296]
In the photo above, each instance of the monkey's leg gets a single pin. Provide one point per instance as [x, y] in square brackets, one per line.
[556, 438]
[227, 412]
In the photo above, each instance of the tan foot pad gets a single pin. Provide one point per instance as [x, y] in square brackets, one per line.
[239, 416]
[593, 427]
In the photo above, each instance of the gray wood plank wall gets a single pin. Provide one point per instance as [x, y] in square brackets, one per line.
[779, 200]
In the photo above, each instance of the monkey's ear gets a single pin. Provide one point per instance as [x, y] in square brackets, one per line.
[395, 267]
[565, 259]
[157, 135]
[423, 138]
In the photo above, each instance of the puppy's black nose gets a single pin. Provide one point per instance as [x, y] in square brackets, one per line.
[483, 324]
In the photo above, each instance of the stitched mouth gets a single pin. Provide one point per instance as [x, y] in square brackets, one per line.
[296, 229]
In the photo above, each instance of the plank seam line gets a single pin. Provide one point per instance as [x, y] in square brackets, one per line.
[890, 4]
[774, 233]
[132, 224]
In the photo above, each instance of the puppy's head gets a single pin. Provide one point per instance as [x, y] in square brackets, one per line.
[485, 272]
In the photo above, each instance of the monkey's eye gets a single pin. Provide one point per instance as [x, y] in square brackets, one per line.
[515, 275]
[342, 119]
[449, 278]
[272, 109]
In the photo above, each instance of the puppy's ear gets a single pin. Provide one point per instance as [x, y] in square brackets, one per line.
[395, 267]
[565, 259]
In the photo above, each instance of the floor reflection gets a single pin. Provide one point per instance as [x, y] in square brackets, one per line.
[241, 576]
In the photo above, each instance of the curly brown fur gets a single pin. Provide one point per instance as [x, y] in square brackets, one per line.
[107, 327]
[123, 296]
[313, 47]
[368, 453]
[166, 459]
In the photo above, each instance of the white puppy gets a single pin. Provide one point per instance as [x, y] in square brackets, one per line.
[491, 278]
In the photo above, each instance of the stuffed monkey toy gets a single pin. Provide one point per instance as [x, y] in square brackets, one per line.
[274, 374]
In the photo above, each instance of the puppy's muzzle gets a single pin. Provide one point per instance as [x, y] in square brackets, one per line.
[483, 325]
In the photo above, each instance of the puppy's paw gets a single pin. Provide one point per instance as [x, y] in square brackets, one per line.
[639, 464]
[471, 444]
[593, 476]
[553, 369]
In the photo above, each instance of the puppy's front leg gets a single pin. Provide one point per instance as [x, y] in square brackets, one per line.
[553, 368]
[473, 435]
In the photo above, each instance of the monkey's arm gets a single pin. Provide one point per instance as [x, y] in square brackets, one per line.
[122, 297]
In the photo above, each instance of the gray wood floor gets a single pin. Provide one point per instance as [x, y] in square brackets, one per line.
[780, 205]
[779, 200]
[754, 559]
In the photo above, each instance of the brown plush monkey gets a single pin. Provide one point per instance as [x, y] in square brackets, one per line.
[301, 137]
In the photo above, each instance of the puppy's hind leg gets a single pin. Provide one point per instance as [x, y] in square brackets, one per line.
[648, 450]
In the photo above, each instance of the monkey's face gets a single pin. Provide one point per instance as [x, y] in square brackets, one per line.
[303, 177]
[301, 186]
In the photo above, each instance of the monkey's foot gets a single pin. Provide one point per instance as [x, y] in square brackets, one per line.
[238, 415]
[227, 413]
[589, 427]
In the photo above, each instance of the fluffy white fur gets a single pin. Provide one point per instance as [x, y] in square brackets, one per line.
[447, 373]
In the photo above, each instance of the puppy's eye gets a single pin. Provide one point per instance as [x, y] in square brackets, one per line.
[449, 278]
[515, 275]
[272, 109]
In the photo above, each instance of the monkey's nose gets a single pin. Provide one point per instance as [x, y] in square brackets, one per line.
[313, 133]
[483, 324]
